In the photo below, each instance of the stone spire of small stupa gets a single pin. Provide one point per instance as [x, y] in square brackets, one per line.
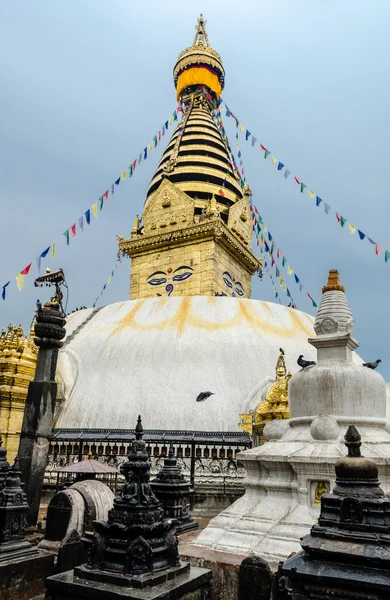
[334, 316]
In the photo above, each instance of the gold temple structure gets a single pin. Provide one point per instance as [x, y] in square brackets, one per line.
[18, 356]
[196, 229]
[274, 406]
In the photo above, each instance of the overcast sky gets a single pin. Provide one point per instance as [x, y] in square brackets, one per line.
[86, 84]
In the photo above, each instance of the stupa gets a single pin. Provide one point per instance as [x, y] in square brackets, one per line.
[289, 473]
[190, 325]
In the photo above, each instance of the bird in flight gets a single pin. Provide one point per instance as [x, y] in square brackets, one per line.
[203, 396]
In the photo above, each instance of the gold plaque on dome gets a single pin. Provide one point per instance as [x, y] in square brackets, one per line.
[168, 208]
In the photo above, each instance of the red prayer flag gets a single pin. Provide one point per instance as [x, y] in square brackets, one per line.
[297, 180]
[26, 270]
[73, 230]
[256, 211]
[134, 164]
[278, 253]
[272, 261]
[338, 217]
[105, 196]
[263, 147]
[378, 249]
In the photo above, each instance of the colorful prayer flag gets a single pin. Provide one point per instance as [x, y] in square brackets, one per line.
[266, 152]
[4, 287]
[20, 281]
[311, 194]
[378, 249]
[26, 270]
[297, 180]
[280, 166]
[284, 261]
[326, 208]
[101, 201]
[254, 140]
[123, 176]
[155, 140]
[289, 270]
[303, 187]
[318, 200]
[286, 173]
[117, 182]
[73, 230]
[53, 250]
[88, 216]
[94, 209]
[81, 222]
[247, 135]
[343, 220]
[387, 256]
[273, 160]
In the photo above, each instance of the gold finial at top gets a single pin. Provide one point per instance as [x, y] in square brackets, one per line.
[201, 38]
[333, 284]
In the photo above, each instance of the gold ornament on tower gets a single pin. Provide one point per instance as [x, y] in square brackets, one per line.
[196, 232]
[18, 356]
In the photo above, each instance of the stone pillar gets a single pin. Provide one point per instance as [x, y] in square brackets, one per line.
[255, 579]
[40, 404]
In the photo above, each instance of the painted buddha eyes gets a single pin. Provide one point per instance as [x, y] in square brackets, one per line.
[232, 284]
[182, 276]
[179, 275]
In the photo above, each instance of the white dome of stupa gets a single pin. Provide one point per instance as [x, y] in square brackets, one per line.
[154, 356]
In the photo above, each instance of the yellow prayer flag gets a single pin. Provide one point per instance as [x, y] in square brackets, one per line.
[284, 288]
[262, 239]
[53, 250]
[281, 281]
[109, 280]
[241, 128]
[94, 209]
[238, 144]
[150, 146]
[311, 194]
[289, 270]
[351, 228]
[123, 176]
[263, 227]
[19, 281]
[273, 161]
[170, 121]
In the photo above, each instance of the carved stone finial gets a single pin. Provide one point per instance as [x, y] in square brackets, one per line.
[333, 282]
[353, 441]
[139, 430]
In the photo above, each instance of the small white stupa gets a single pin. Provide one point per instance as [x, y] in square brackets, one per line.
[289, 473]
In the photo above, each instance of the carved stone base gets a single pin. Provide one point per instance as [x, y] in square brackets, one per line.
[14, 550]
[192, 584]
[135, 581]
[24, 578]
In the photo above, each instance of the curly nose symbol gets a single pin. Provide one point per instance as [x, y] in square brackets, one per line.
[169, 288]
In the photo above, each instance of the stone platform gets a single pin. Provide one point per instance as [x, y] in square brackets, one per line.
[23, 578]
[192, 584]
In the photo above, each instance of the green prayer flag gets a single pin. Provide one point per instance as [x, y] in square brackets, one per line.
[258, 228]
[101, 200]
[266, 152]
[387, 255]
[303, 187]
[343, 220]
[66, 234]
[175, 116]
[314, 304]
[130, 170]
[155, 140]
[283, 261]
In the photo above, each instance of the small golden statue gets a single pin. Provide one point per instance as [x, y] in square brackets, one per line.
[320, 490]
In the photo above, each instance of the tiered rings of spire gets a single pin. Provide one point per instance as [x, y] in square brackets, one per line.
[197, 158]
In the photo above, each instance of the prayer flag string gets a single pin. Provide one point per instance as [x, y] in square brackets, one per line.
[304, 189]
[97, 207]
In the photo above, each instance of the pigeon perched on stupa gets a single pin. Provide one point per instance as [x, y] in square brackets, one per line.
[372, 365]
[304, 363]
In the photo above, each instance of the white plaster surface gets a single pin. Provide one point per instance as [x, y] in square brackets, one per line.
[279, 506]
[154, 356]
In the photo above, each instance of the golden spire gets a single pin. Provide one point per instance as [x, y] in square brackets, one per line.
[333, 282]
[201, 38]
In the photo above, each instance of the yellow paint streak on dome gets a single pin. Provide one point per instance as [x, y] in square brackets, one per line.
[185, 316]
